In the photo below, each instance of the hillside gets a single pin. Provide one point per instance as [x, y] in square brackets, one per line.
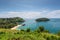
[6, 34]
[10, 22]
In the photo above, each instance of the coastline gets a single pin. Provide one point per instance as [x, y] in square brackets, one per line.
[14, 28]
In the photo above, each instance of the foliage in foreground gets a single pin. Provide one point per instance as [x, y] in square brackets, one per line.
[6, 34]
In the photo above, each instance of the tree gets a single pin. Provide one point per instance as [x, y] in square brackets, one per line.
[41, 28]
[28, 30]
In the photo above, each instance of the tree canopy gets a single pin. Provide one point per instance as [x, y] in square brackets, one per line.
[10, 22]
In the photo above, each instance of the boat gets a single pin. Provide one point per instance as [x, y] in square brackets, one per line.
[23, 25]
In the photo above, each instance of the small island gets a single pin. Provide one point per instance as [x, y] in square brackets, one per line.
[42, 19]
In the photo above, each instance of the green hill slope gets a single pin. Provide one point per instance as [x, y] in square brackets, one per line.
[6, 34]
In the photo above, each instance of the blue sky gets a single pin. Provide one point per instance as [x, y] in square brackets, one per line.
[30, 8]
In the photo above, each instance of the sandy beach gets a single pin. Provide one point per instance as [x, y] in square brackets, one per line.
[15, 27]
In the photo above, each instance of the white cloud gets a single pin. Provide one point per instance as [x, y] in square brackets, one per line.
[25, 14]
[51, 14]
[54, 14]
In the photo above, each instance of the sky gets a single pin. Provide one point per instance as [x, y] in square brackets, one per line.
[30, 8]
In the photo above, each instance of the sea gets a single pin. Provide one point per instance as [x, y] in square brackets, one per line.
[53, 26]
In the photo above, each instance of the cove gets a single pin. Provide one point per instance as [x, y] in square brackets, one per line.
[53, 25]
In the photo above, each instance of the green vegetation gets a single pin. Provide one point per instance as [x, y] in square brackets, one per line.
[39, 34]
[10, 22]
[42, 19]
[28, 30]
[58, 33]
[6, 34]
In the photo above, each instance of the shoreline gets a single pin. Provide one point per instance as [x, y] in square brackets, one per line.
[14, 28]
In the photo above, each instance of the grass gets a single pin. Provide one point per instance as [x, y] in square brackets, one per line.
[7, 34]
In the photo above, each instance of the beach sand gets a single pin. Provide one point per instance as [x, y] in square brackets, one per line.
[14, 28]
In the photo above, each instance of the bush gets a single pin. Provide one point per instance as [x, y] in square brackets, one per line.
[58, 33]
[28, 30]
[41, 28]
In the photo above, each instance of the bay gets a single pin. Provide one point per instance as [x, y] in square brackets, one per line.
[53, 25]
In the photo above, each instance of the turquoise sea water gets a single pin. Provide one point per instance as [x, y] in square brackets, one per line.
[53, 25]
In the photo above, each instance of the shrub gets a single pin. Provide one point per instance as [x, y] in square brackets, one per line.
[41, 28]
[28, 30]
[58, 33]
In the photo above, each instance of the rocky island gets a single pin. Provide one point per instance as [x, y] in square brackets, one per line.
[42, 19]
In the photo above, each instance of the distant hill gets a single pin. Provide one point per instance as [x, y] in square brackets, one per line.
[10, 22]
